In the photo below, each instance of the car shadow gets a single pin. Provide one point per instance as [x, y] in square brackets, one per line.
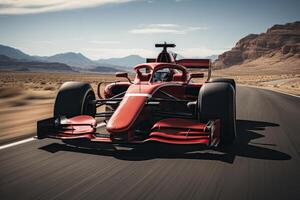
[243, 147]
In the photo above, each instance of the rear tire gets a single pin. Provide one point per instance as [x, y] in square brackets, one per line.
[73, 99]
[223, 80]
[217, 101]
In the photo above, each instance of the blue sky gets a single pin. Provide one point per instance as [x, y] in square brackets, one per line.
[116, 28]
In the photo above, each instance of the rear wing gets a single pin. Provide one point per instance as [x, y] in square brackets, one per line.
[165, 45]
[188, 63]
[196, 64]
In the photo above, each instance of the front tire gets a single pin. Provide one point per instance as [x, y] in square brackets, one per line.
[217, 101]
[223, 80]
[74, 99]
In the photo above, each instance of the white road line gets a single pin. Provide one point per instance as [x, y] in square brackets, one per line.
[17, 143]
[32, 139]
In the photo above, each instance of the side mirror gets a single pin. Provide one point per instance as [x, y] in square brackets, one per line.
[123, 75]
[195, 75]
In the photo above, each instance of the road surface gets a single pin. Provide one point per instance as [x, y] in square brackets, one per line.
[263, 164]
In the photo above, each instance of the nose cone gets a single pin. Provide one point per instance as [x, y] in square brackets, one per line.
[126, 114]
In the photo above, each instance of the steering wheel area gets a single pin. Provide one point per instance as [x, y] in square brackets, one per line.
[163, 75]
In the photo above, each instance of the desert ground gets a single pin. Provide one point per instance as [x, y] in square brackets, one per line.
[286, 83]
[26, 97]
[279, 73]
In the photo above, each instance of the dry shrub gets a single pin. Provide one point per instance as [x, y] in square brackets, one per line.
[49, 88]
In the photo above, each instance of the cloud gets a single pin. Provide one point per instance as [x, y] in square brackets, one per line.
[154, 30]
[165, 28]
[104, 42]
[44, 42]
[164, 25]
[14, 7]
[196, 28]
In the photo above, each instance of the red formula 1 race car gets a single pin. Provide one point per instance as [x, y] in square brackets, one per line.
[161, 104]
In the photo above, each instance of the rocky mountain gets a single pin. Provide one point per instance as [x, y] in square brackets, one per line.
[7, 63]
[79, 62]
[14, 53]
[70, 58]
[13, 59]
[278, 44]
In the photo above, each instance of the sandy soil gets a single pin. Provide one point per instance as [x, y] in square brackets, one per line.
[20, 112]
[276, 73]
[288, 83]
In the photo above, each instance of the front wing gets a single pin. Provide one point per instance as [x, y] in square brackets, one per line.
[171, 131]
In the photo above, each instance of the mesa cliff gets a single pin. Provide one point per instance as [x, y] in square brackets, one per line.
[279, 46]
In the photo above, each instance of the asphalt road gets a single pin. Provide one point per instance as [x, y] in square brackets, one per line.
[263, 164]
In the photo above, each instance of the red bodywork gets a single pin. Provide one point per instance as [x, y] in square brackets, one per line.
[133, 111]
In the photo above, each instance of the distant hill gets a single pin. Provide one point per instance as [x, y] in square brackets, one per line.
[70, 58]
[278, 46]
[12, 64]
[73, 61]
[212, 57]
[128, 61]
[178, 57]
[79, 62]
[105, 69]
[14, 53]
